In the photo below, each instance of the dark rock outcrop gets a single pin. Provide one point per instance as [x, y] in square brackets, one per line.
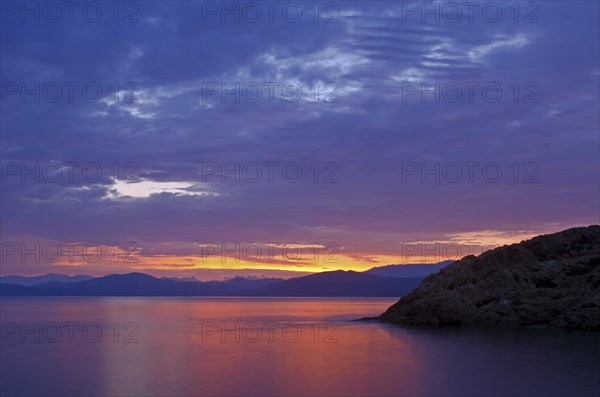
[551, 280]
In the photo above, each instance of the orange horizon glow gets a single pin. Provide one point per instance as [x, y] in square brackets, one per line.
[273, 260]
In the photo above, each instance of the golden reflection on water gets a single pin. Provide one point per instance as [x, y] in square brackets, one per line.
[179, 347]
[176, 353]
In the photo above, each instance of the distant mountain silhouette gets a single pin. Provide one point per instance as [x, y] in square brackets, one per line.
[34, 280]
[251, 283]
[408, 270]
[132, 284]
[336, 283]
[186, 279]
[341, 283]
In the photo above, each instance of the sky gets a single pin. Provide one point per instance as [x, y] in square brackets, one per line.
[214, 139]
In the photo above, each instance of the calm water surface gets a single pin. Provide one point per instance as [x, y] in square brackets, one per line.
[274, 346]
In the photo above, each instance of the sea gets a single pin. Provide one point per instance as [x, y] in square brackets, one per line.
[221, 346]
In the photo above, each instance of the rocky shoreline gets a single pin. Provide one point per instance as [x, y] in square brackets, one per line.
[551, 280]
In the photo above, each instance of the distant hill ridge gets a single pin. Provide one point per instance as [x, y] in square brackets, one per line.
[409, 270]
[335, 283]
[33, 280]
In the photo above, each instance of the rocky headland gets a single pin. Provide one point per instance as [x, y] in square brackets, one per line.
[551, 280]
